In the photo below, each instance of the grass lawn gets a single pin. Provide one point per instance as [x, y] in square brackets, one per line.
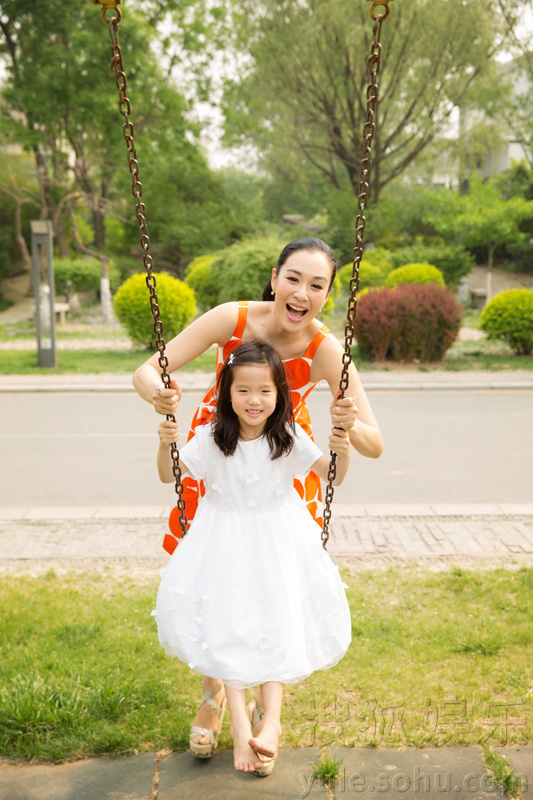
[436, 658]
[24, 362]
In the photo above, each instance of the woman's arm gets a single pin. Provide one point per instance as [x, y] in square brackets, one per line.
[214, 327]
[354, 412]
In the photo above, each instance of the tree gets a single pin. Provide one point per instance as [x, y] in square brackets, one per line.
[481, 218]
[304, 83]
[61, 104]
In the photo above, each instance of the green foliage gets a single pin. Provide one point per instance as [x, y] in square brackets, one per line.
[369, 276]
[243, 270]
[297, 96]
[83, 273]
[411, 322]
[453, 261]
[480, 218]
[201, 278]
[329, 305]
[509, 316]
[177, 307]
[415, 273]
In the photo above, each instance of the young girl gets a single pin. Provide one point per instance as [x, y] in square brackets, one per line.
[250, 596]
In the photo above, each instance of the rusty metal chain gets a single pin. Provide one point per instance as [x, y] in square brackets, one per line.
[373, 65]
[140, 209]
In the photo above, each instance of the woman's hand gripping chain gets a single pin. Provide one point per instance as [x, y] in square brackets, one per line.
[165, 401]
[343, 412]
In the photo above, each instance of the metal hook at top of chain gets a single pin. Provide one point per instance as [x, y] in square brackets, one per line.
[109, 5]
[376, 4]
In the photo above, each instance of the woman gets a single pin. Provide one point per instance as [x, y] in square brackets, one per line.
[286, 318]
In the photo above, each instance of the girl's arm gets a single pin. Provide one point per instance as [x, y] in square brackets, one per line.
[168, 433]
[215, 326]
[339, 443]
[354, 411]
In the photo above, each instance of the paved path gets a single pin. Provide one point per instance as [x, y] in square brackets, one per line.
[373, 380]
[360, 536]
[403, 774]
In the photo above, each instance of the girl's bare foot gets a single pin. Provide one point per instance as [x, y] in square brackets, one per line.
[244, 758]
[206, 716]
[266, 742]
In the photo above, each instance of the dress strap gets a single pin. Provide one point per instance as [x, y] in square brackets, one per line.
[317, 339]
[241, 319]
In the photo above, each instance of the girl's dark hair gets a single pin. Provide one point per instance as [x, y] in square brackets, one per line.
[312, 245]
[226, 423]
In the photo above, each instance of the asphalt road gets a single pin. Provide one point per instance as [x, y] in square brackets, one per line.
[440, 447]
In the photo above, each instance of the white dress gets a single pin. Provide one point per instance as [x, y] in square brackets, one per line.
[250, 595]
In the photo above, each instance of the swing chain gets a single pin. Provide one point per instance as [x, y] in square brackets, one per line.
[117, 66]
[373, 65]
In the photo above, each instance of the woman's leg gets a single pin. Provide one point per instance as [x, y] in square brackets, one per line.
[206, 716]
[244, 757]
[266, 741]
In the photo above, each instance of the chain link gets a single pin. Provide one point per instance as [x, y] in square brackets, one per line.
[140, 210]
[373, 65]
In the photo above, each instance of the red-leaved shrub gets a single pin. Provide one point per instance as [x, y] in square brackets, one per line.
[410, 322]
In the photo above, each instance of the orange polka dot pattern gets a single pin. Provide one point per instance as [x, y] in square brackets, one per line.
[298, 375]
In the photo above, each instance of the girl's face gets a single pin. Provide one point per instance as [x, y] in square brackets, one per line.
[253, 397]
[302, 286]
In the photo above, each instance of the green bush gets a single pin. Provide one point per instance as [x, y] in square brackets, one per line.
[410, 322]
[509, 316]
[201, 278]
[452, 260]
[369, 276]
[177, 307]
[329, 305]
[83, 273]
[242, 270]
[415, 273]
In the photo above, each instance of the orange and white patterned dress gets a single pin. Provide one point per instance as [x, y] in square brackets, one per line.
[298, 377]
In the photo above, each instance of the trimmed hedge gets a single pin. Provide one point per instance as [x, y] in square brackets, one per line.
[407, 323]
[242, 270]
[84, 273]
[452, 260]
[369, 276]
[415, 273]
[177, 307]
[200, 277]
[509, 317]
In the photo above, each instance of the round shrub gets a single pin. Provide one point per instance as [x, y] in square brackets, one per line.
[509, 316]
[407, 323]
[200, 277]
[83, 273]
[177, 307]
[243, 269]
[415, 273]
[452, 260]
[369, 275]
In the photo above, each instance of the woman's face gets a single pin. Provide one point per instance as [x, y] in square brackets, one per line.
[302, 286]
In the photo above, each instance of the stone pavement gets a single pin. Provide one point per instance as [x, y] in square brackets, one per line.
[408, 774]
[370, 536]
[373, 380]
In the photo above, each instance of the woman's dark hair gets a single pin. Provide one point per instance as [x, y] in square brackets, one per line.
[226, 423]
[310, 244]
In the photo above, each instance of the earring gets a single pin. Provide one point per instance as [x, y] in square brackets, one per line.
[272, 292]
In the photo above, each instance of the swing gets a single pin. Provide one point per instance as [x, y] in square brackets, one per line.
[373, 66]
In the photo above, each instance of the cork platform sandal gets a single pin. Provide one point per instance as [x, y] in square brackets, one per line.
[207, 750]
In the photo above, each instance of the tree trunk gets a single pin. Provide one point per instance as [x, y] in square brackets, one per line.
[492, 248]
[105, 290]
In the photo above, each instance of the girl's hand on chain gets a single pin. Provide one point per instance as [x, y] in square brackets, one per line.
[168, 432]
[339, 442]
